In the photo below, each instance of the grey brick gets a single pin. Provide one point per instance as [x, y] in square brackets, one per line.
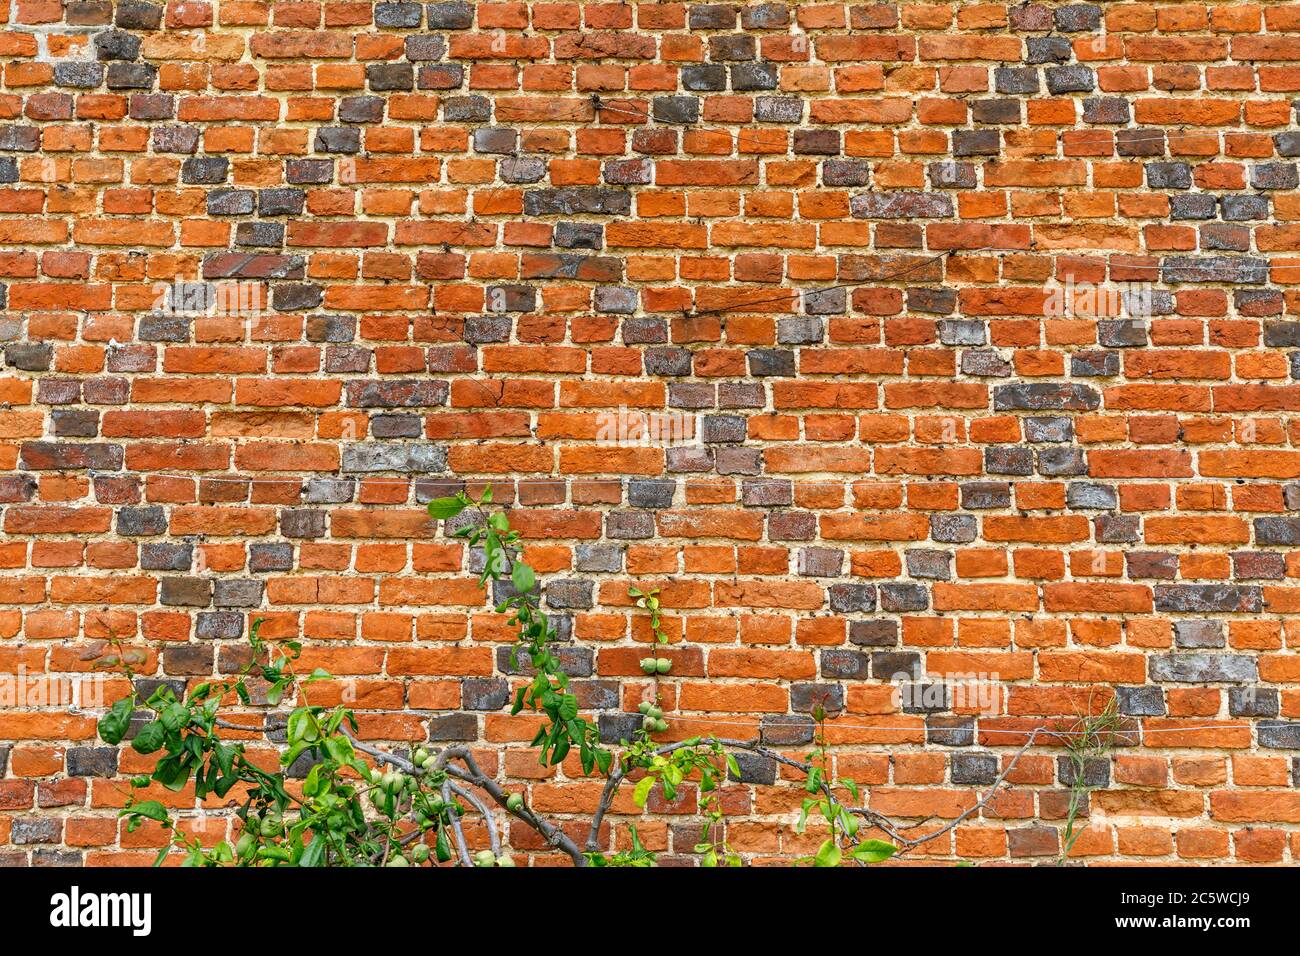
[25, 831]
[186, 592]
[929, 564]
[676, 109]
[1217, 269]
[447, 727]
[1279, 734]
[1145, 701]
[944, 731]
[1274, 176]
[771, 362]
[484, 693]
[788, 730]
[805, 697]
[1243, 208]
[973, 768]
[1016, 80]
[882, 632]
[219, 625]
[1202, 668]
[846, 598]
[704, 77]
[1085, 495]
[237, 592]
[963, 332]
[116, 45]
[1078, 18]
[599, 557]
[1096, 772]
[953, 529]
[1169, 176]
[141, 522]
[716, 429]
[1039, 396]
[566, 593]
[166, 556]
[1277, 531]
[1055, 428]
[205, 170]
[807, 330]
[838, 664]
[1253, 702]
[1194, 598]
[80, 75]
[901, 205]
[92, 761]
[1048, 49]
[820, 562]
[457, 15]
[651, 493]
[136, 15]
[1009, 460]
[778, 109]
[616, 728]
[398, 15]
[904, 597]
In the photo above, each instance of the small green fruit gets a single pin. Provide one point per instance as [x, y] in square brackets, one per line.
[420, 756]
[655, 712]
[398, 860]
[485, 858]
[660, 726]
[648, 664]
[420, 853]
[514, 803]
[663, 665]
[245, 845]
[505, 859]
[644, 706]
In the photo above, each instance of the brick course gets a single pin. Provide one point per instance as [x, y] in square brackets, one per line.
[965, 335]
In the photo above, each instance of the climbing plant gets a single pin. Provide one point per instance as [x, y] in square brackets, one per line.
[362, 805]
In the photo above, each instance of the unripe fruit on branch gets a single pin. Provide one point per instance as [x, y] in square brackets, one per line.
[514, 803]
[485, 858]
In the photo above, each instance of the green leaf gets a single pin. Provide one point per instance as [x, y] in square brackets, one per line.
[873, 851]
[444, 508]
[150, 737]
[114, 724]
[642, 792]
[314, 854]
[828, 854]
[523, 577]
[175, 716]
[148, 808]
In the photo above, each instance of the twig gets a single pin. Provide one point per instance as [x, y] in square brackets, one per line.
[457, 833]
[493, 840]
[909, 844]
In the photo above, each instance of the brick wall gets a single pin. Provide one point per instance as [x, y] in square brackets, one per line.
[965, 335]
